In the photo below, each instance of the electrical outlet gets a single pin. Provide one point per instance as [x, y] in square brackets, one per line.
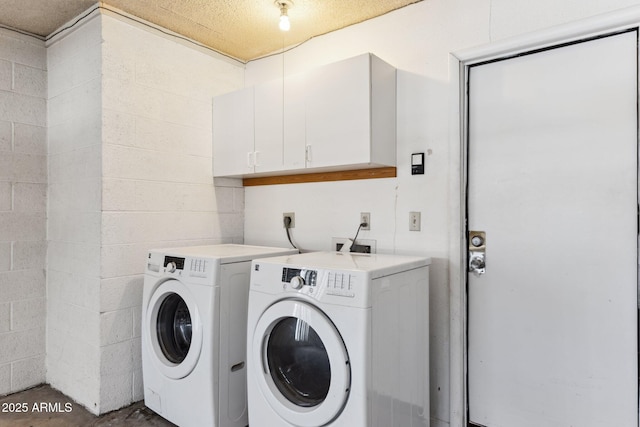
[365, 217]
[414, 221]
[291, 215]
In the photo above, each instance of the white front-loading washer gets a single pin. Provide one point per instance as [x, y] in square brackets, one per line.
[338, 339]
[194, 313]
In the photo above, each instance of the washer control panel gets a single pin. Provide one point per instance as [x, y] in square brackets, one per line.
[198, 267]
[341, 284]
[298, 278]
[195, 268]
[323, 282]
[172, 263]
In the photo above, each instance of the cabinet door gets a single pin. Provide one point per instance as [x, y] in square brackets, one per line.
[338, 113]
[294, 138]
[268, 126]
[233, 133]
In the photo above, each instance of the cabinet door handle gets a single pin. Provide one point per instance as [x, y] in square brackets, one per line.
[250, 159]
[256, 161]
[307, 153]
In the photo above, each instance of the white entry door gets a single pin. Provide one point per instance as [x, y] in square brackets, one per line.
[552, 181]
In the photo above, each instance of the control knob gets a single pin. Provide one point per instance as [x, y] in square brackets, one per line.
[297, 282]
[171, 267]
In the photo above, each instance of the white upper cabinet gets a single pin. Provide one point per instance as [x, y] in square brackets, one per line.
[340, 116]
[233, 131]
[342, 127]
[260, 129]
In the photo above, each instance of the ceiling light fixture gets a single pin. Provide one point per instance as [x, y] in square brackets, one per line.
[284, 6]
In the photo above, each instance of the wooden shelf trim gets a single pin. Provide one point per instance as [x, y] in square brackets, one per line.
[373, 173]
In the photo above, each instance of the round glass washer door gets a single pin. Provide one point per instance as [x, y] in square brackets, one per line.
[301, 363]
[174, 329]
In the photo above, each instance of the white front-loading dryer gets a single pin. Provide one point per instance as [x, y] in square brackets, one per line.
[194, 332]
[337, 339]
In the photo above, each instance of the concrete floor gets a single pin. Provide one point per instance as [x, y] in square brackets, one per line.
[54, 409]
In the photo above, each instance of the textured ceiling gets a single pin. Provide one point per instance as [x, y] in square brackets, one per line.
[243, 29]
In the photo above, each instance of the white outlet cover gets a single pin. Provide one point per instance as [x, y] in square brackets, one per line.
[414, 221]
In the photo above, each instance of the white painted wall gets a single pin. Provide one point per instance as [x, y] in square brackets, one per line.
[130, 169]
[23, 189]
[417, 40]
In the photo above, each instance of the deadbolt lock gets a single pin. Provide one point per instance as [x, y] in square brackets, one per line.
[476, 240]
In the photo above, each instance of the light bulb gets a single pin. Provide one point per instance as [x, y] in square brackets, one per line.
[284, 5]
[284, 25]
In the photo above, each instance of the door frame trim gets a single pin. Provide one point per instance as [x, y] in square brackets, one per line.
[459, 63]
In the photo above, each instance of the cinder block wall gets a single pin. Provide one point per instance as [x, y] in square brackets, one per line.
[130, 156]
[23, 202]
[75, 163]
[157, 180]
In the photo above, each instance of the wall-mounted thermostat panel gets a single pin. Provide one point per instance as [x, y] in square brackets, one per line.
[417, 164]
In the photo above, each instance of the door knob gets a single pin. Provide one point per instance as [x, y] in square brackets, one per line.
[476, 263]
